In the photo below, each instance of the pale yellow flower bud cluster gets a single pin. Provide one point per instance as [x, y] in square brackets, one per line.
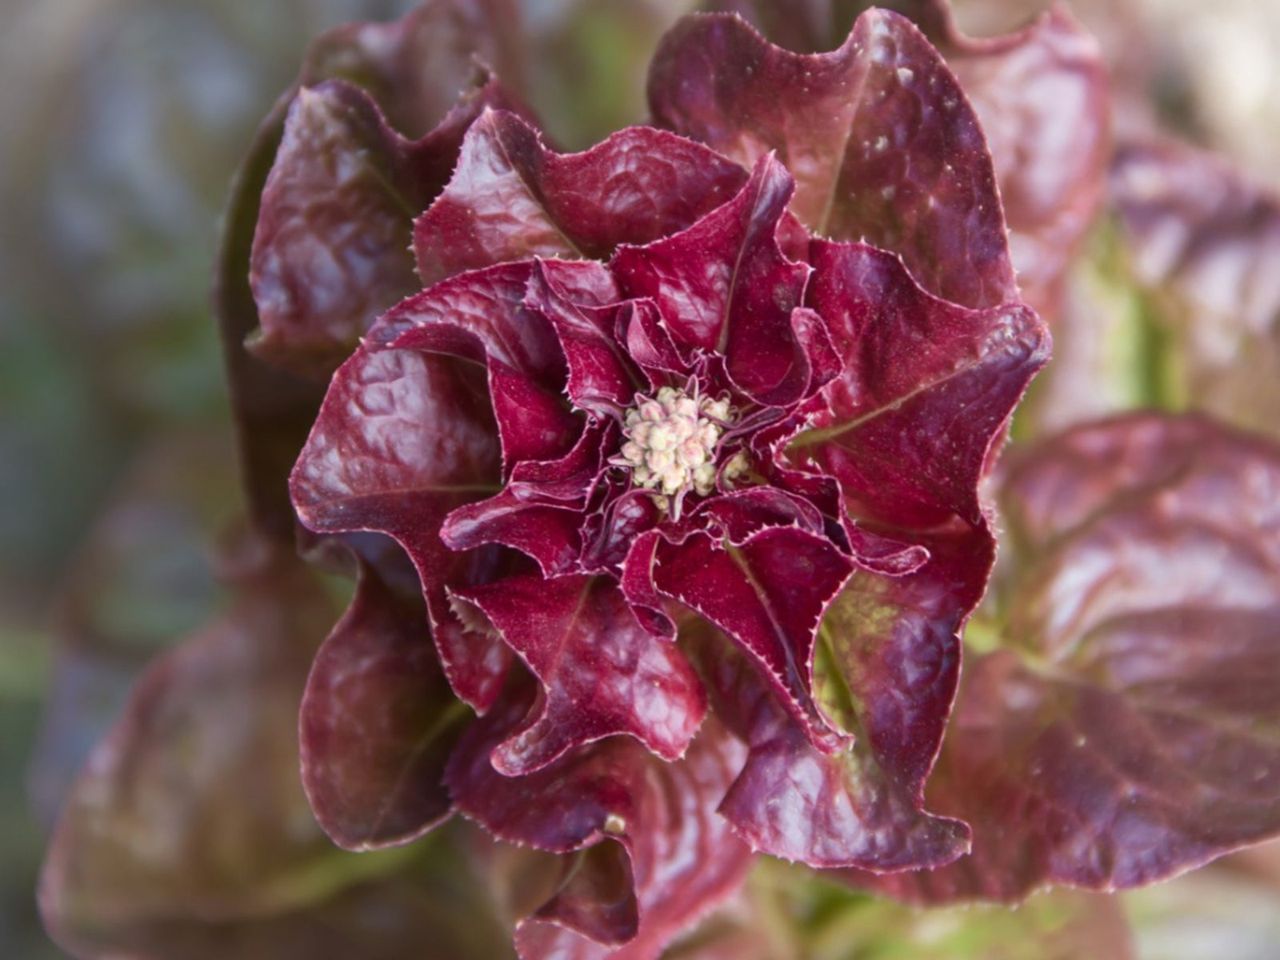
[670, 442]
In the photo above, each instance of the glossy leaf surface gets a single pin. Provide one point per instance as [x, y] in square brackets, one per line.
[1126, 731]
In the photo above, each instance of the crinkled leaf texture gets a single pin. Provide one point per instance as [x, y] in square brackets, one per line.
[378, 723]
[649, 854]
[836, 546]
[1127, 732]
[878, 133]
[1041, 96]
[422, 73]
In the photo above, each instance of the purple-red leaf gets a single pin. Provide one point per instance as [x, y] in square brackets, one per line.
[378, 724]
[926, 387]
[882, 142]
[724, 284]
[511, 198]
[680, 858]
[824, 809]
[331, 248]
[1128, 731]
[402, 439]
[415, 68]
[159, 827]
[1042, 96]
[768, 591]
[601, 672]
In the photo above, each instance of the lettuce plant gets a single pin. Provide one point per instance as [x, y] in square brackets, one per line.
[662, 470]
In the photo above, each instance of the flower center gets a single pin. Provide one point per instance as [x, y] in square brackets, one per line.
[670, 442]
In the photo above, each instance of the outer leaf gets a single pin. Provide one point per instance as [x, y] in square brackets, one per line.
[680, 859]
[916, 369]
[187, 836]
[888, 658]
[1131, 732]
[1042, 96]
[601, 672]
[157, 829]
[1206, 242]
[378, 723]
[330, 251]
[882, 142]
[272, 410]
[824, 809]
[511, 198]
[415, 68]
[402, 439]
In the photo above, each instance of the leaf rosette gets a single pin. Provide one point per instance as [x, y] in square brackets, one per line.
[668, 432]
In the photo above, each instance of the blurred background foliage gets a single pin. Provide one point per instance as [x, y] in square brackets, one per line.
[122, 122]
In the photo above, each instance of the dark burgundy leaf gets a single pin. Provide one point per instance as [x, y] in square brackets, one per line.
[601, 672]
[331, 248]
[415, 68]
[724, 284]
[767, 591]
[680, 857]
[511, 198]
[926, 387]
[824, 809]
[878, 134]
[1041, 93]
[602, 378]
[540, 512]
[378, 723]
[1128, 730]
[402, 439]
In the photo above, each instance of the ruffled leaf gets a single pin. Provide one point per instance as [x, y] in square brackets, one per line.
[330, 252]
[381, 458]
[415, 69]
[882, 142]
[601, 672]
[678, 860]
[823, 809]
[926, 387]
[1041, 94]
[724, 284]
[378, 723]
[767, 589]
[511, 198]
[1128, 730]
